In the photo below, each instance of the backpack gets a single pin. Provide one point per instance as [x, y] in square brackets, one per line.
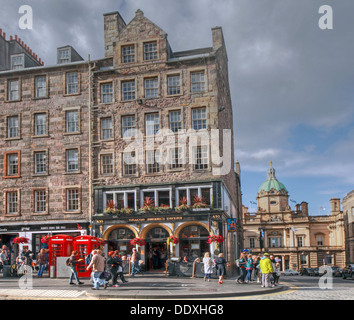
[68, 262]
[88, 259]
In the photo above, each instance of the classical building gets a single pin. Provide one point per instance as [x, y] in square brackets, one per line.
[348, 211]
[138, 144]
[295, 237]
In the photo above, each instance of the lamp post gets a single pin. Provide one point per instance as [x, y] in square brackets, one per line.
[261, 237]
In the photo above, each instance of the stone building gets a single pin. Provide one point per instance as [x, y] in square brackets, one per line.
[158, 115]
[295, 237]
[44, 147]
[348, 212]
[136, 144]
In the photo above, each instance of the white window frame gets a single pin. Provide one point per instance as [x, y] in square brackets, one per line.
[130, 129]
[302, 238]
[41, 125]
[173, 85]
[64, 56]
[172, 124]
[40, 201]
[199, 122]
[8, 193]
[11, 91]
[125, 192]
[202, 159]
[106, 129]
[151, 88]
[72, 160]
[155, 195]
[199, 84]
[128, 90]
[106, 92]
[152, 128]
[76, 122]
[73, 86]
[36, 162]
[11, 128]
[103, 165]
[199, 187]
[128, 53]
[150, 50]
[68, 200]
[20, 63]
[40, 89]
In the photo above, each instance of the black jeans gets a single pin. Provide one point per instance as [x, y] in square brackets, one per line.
[242, 275]
[113, 274]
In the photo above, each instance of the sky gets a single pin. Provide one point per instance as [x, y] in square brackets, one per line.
[291, 82]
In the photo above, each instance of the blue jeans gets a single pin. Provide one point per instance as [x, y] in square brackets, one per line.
[97, 281]
[73, 275]
[249, 275]
[40, 269]
[134, 266]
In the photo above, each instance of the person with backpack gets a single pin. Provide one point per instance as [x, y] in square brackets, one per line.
[249, 268]
[41, 260]
[72, 262]
[242, 265]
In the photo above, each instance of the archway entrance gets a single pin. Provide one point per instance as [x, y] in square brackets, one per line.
[119, 239]
[156, 249]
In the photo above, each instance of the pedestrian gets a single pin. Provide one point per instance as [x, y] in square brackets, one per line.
[266, 269]
[98, 265]
[3, 258]
[277, 273]
[249, 268]
[242, 265]
[208, 266]
[134, 262]
[220, 264]
[72, 263]
[88, 261]
[257, 271]
[41, 261]
[273, 275]
[112, 268]
[120, 270]
[8, 254]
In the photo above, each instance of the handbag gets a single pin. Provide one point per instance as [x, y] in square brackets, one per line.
[120, 269]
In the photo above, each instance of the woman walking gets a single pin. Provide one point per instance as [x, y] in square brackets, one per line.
[242, 265]
[249, 268]
[112, 268]
[208, 266]
[41, 260]
[220, 263]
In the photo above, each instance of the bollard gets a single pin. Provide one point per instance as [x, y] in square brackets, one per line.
[52, 271]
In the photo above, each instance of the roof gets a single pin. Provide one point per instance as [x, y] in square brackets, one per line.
[272, 182]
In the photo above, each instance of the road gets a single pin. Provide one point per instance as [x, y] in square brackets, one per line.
[309, 288]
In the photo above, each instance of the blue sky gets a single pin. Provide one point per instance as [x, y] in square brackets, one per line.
[291, 82]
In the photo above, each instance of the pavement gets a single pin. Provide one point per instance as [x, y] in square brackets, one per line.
[142, 287]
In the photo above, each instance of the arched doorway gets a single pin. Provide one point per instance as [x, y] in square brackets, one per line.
[119, 239]
[156, 249]
[193, 241]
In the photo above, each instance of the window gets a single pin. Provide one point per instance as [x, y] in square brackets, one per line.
[63, 56]
[329, 259]
[40, 201]
[72, 83]
[175, 119]
[303, 259]
[128, 54]
[197, 81]
[106, 128]
[13, 90]
[72, 121]
[151, 86]
[40, 124]
[252, 243]
[173, 85]
[72, 199]
[160, 196]
[129, 163]
[150, 50]
[200, 158]
[40, 162]
[300, 241]
[107, 92]
[12, 202]
[320, 240]
[12, 127]
[189, 193]
[106, 163]
[40, 87]
[17, 62]
[152, 124]
[128, 90]
[199, 118]
[153, 161]
[163, 198]
[12, 164]
[176, 158]
[121, 199]
[72, 160]
[128, 126]
[275, 242]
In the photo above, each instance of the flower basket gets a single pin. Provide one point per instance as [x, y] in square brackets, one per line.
[101, 242]
[21, 240]
[44, 239]
[217, 239]
[183, 205]
[127, 210]
[163, 208]
[173, 240]
[137, 241]
[199, 203]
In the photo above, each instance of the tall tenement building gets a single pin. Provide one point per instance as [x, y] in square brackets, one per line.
[138, 144]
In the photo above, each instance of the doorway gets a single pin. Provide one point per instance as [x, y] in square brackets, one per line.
[156, 256]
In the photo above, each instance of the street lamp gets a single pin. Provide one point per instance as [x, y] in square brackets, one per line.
[261, 237]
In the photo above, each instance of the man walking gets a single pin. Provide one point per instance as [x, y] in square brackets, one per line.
[134, 262]
[97, 264]
[73, 261]
[266, 269]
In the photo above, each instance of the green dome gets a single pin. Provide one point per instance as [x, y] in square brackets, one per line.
[271, 182]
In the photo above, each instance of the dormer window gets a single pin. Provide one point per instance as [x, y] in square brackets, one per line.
[63, 56]
[150, 50]
[17, 62]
